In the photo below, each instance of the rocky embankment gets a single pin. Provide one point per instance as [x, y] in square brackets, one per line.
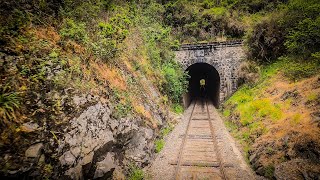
[70, 134]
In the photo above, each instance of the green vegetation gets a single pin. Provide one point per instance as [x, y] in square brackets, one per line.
[122, 110]
[176, 82]
[269, 170]
[226, 113]
[291, 28]
[255, 112]
[252, 109]
[313, 97]
[104, 47]
[194, 21]
[296, 70]
[271, 29]
[159, 144]
[135, 173]
[9, 102]
[76, 31]
[165, 131]
[177, 108]
[83, 31]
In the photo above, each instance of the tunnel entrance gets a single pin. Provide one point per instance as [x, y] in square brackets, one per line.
[210, 91]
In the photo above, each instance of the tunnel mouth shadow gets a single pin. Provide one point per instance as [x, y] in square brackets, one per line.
[196, 90]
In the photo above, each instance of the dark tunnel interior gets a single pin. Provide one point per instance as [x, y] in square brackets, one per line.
[209, 91]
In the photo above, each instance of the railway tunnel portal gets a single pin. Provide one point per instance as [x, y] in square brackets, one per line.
[217, 64]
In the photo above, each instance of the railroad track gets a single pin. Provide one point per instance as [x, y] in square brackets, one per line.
[198, 157]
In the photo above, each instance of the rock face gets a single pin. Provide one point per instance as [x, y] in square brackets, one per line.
[80, 138]
[89, 148]
[67, 159]
[139, 149]
[300, 161]
[297, 169]
[89, 131]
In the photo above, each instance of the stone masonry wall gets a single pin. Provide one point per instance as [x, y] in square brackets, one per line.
[225, 57]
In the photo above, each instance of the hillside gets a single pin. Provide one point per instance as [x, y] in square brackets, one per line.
[95, 82]
[78, 81]
[276, 120]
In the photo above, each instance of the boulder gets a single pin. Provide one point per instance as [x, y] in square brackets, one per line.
[74, 173]
[34, 151]
[138, 150]
[29, 127]
[90, 130]
[67, 159]
[105, 167]
[148, 133]
[86, 163]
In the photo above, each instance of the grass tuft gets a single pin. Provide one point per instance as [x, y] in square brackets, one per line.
[177, 108]
[159, 144]
[136, 173]
[9, 103]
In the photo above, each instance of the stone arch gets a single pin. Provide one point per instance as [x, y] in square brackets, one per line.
[211, 90]
[225, 57]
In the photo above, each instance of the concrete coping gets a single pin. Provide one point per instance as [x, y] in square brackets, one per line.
[210, 45]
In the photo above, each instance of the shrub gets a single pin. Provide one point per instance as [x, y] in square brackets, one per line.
[266, 41]
[105, 49]
[293, 27]
[82, 10]
[296, 70]
[158, 44]
[110, 36]
[219, 11]
[207, 4]
[116, 29]
[302, 26]
[176, 82]
[73, 30]
[254, 6]
[305, 38]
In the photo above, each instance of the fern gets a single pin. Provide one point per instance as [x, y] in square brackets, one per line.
[9, 102]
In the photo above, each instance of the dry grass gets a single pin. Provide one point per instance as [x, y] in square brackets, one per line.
[296, 121]
[111, 75]
[296, 105]
[47, 33]
[146, 115]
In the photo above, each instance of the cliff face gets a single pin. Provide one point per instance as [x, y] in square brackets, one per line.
[75, 106]
[65, 131]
